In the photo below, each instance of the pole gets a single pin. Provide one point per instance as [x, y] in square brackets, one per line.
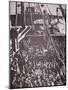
[22, 14]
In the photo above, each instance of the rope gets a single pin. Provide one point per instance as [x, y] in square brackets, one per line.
[53, 42]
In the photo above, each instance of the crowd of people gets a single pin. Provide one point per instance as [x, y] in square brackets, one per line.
[35, 59]
[35, 67]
